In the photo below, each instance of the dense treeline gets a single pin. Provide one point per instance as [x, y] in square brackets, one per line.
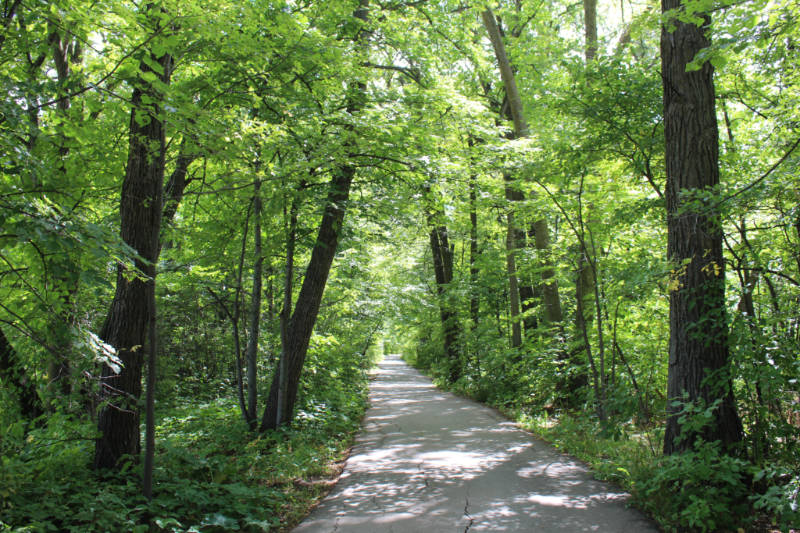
[214, 214]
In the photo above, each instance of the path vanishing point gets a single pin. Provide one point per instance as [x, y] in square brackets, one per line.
[429, 461]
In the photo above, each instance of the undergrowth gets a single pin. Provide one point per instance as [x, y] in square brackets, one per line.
[211, 473]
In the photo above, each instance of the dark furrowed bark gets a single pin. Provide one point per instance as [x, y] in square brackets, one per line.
[126, 324]
[698, 347]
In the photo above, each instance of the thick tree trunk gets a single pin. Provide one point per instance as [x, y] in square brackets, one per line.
[126, 324]
[699, 370]
[251, 356]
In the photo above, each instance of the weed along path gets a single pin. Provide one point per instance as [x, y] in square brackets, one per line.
[429, 461]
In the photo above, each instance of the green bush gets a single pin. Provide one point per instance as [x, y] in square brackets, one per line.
[780, 499]
[700, 490]
[211, 473]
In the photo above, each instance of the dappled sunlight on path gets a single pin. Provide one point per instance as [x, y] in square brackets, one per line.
[429, 461]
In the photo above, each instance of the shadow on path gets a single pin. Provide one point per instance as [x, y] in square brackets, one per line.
[429, 461]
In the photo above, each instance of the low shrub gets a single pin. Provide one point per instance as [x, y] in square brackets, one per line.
[211, 473]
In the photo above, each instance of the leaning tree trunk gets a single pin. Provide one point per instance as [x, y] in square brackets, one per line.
[699, 369]
[285, 383]
[549, 288]
[125, 327]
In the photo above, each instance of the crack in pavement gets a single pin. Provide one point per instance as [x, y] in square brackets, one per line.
[466, 513]
[425, 478]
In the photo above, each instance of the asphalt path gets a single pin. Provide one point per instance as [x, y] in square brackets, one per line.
[429, 461]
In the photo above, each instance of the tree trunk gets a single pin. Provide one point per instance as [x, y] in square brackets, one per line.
[177, 182]
[590, 28]
[507, 75]
[584, 280]
[520, 130]
[14, 377]
[125, 327]
[237, 311]
[699, 370]
[288, 288]
[549, 289]
[65, 51]
[552, 302]
[251, 356]
[513, 286]
[474, 301]
[301, 324]
[443, 269]
[150, 408]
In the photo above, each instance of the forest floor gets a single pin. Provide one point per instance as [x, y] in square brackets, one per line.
[428, 460]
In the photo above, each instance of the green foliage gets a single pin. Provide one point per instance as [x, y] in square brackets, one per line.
[780, 501]
[700, 490]
[211, 474]
[258, 92]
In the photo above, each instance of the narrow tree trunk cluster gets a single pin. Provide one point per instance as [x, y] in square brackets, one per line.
[301, 323]
[548, 287]
[283, 390]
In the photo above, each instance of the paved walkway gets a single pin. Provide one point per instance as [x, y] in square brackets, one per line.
[431, 462]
